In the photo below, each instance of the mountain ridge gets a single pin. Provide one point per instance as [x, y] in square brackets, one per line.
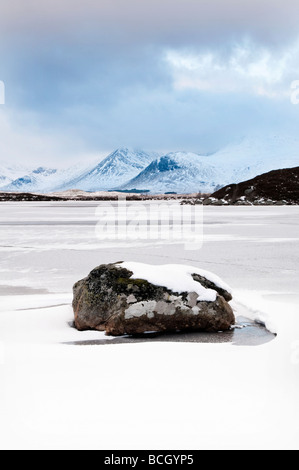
[274, 187]
[180, 172]
[117, 168]
[176, 172]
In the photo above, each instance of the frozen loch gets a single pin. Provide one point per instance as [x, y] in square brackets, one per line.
[249, 388]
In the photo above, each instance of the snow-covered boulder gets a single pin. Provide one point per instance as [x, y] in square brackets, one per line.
[134, 298]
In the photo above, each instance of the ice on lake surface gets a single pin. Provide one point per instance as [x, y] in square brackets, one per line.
[45, 248]
[51, 246]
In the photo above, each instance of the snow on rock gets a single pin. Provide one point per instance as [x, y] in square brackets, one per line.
[133, 298]
[277, 187]
[178, 278]
[234, 397]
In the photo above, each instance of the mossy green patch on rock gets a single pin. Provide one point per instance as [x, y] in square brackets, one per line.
[109, 299]
[133, 282]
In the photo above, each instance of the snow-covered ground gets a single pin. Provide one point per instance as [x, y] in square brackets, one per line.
[156, 395]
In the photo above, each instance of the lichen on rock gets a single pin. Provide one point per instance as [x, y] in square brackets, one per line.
[110, 299]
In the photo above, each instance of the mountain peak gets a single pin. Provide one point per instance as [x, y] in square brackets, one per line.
[116, 169]
[45, 171]
[121, 151]
[181, 172]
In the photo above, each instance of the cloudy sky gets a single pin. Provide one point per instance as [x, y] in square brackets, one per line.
[84, 77]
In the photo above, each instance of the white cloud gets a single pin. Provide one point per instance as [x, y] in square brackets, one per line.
[246, 68]
[26, 144]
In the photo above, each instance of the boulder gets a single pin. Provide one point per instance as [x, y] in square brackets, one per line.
[110, 299]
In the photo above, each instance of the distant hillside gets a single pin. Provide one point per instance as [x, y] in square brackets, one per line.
[112, 172]
[158, 173]
[179, 172]
[28, 197]
[277, 187]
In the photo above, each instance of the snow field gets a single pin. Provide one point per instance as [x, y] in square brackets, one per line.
[58, 395]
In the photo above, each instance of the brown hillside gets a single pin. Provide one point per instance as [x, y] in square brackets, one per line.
[277, 186]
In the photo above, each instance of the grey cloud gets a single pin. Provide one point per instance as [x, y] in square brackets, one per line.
[96, 72]
[167, 21]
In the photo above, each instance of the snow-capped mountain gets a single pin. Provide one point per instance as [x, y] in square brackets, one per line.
[115, 170]
[188, 173]
[10, 173]
[43, 179]
[112, 172]
[177, 172]
[31, 181]
[254, 156]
